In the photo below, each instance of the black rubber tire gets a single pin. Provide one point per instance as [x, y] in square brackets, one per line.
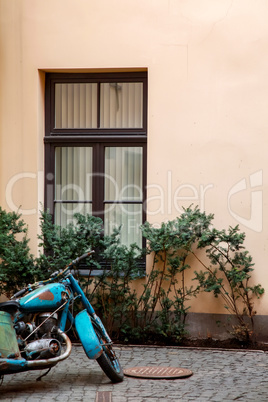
[110, 364]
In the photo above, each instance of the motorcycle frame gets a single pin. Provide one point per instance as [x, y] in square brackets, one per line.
[85, 322]
[94, 318]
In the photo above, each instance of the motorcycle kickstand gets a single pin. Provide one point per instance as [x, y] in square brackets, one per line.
[43, 375]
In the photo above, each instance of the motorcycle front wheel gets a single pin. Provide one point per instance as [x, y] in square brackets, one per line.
[109, 363]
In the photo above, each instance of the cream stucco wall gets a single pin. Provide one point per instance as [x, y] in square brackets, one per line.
[207, 64]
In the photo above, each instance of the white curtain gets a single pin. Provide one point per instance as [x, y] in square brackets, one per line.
[120, 105]
[76, 105]
[123, 185]
[73, 182]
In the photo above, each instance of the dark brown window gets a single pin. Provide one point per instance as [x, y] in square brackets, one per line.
[95, 149]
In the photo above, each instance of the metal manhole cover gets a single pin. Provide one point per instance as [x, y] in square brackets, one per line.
[158, 372]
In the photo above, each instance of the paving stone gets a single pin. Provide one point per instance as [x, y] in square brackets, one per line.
[218, 376]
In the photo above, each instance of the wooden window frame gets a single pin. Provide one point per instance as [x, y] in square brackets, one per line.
[54, 78]
[98, 137]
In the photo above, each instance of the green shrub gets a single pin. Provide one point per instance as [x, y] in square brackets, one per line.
[17, 267]
[228, 276]
[160, 310]
[61, 245]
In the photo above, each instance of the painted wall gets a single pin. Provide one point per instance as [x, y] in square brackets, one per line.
[207, 64]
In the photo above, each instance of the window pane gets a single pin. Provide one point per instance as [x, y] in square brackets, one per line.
[76, 105]
[121, 105]
[73, 173]
[123, 174]
[73, 182]
[123, 184]
[129, 217]
[64, 213]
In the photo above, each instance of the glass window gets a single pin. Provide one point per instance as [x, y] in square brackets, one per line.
[95, 149]
[121, 105]
[73, 183]
[76, 105]
[123, 197]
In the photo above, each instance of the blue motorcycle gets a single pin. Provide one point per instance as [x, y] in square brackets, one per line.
[33, 325]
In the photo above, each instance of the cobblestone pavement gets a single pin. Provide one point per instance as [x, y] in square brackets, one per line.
[218, 375]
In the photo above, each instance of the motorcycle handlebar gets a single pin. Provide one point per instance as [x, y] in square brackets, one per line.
[53, 276]
[57, 274]
[19, 293]
[78, 259]
[75, 262]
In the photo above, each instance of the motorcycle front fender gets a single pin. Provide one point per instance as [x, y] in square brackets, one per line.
[87, 335]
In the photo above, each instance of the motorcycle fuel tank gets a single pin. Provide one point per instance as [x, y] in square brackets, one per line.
[44, 298]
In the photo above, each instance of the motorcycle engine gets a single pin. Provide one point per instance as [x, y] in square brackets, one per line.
[46, 323]
[40, 344]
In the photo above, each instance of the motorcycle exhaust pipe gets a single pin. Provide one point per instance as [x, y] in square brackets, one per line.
[15, 365]
[44, 348]
[43, 363]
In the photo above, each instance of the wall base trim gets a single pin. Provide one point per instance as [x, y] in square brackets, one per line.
[219, 326]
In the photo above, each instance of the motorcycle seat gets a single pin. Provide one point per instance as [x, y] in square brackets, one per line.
[10, 306]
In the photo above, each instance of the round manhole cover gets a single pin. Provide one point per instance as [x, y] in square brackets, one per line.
[158, 372]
